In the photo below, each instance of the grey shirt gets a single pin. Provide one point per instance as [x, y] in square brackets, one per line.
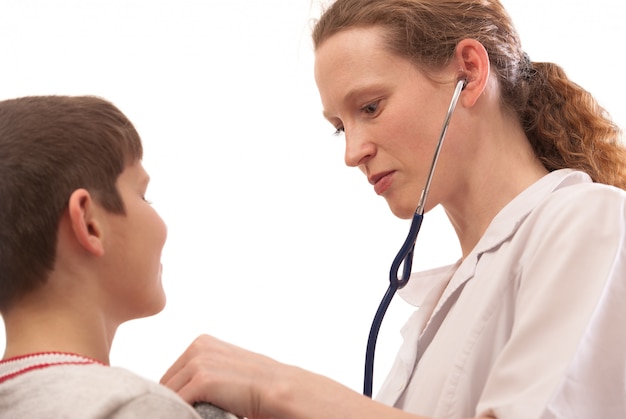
[87, 390]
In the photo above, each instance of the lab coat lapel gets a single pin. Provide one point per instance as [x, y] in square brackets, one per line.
[424, 290]
[421, 328]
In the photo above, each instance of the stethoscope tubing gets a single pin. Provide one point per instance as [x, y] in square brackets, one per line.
[394, 284]
[404, 257]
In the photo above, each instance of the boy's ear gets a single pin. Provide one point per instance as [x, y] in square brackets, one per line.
[473, 63]
[84, 217]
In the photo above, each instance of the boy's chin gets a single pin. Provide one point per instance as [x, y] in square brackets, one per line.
[157, 305]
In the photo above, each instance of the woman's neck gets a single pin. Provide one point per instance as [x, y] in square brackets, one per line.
[501, 168]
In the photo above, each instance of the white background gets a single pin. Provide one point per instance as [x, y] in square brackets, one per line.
[273, 243]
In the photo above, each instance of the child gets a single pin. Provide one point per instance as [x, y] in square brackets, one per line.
[80, 251]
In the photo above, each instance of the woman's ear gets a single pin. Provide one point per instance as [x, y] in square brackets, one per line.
[86, 224]
[473, 63]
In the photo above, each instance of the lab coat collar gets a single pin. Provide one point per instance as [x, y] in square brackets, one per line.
[430, 290]
[508, 220]
[422, 285]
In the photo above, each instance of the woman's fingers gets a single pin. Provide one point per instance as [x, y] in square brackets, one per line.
[189, 363]
[214, 371]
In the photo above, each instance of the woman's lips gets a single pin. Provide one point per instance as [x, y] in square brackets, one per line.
[382, 182]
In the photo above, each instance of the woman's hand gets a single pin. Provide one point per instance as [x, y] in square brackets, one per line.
[230, 377]
[254, 386]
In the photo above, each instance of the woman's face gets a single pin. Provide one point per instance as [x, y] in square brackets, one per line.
[390, 113]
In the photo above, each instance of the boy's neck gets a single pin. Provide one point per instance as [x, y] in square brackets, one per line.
[33, 328]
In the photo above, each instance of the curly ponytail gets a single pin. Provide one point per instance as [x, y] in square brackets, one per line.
[568, 128]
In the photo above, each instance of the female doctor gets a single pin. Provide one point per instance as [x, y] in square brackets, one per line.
[531, 322]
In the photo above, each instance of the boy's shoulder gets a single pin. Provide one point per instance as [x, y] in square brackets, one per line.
[90, 390]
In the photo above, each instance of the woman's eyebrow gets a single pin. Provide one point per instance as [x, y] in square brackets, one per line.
[355, 92]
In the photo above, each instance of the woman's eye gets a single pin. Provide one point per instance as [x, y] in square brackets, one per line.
[339, 131]
[370, 108]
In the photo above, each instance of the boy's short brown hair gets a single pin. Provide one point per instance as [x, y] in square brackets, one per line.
[49, 147]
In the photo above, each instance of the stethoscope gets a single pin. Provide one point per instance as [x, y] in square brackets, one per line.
[405, 255]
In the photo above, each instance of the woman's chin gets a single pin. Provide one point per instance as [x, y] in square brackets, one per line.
[402, 211]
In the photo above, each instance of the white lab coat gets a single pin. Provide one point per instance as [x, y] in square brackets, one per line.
[535, 320]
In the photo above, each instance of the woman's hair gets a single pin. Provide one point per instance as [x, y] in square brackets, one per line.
[49, 147]
[564, 124]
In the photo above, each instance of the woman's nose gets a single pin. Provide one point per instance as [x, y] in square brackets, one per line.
[358, 149]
